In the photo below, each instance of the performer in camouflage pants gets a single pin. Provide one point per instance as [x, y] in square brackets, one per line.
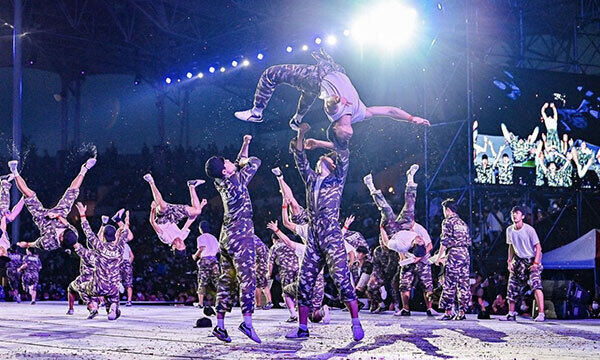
[126, 271]
[236, 242]
[385, 267]
[30, 273]
[55, 230]
[13, 275]
[6, 214]
[456, 240]
[108, 257]
[262, 273]
[325, 244]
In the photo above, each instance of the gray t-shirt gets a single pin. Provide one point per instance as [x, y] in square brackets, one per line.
[523, 240]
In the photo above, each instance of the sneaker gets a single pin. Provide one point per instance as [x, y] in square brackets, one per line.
[118, 216]
[197, 304]
[357, 332]
[511, 316]
[195, 183]
[361, 305]
[7, 178]
[250, 115]
[128, 304]
[92, 314]
[18, 299]
[105, 219]
[121, 288]
[118, 314]
[326, 315]
[402, 312]
[460, 316]
[445, 317]
[148, 178]
[276, 171]
[221, 334]
[292, 319]
[378, 310]
[90, 163]
[209, 311]
[540, 318]
[431, 312]
[32, 302]
[70, 312]
[13, 165]
[297, 334]
[249, 332]
[112, 312]
[295, 122]
[268, 306]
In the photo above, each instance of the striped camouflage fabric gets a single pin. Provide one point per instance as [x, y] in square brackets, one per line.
[455, 237]
[31, 273]
[522, 277]
[285, 258]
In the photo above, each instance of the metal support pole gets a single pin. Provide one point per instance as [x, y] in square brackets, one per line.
[17, 105]
[77, 116]
[160, 106]
[469, 112]
[426, 161]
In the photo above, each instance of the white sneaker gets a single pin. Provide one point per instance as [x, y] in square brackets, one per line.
[13, 165]
[326, 315]
[148, 178]
[112, 312]
[276, 171]
[90, 163]
[195, 183]
[105, 219]
[249, 115]
[540, 318]
[121, 288]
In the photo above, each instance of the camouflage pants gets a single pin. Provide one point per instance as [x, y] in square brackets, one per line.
[521, 276]
[30, 279]
[374, 288]
[404, 221]
[90, 292]
[317, 295]
[262, 270]
[325, 246]
[172, 214]
[303, 77]
[208, 273]
[75, 288]
[301, 218]
[5, 197]
[421, 271]
[13, 279]
[456, 279]
[237, 267]
[126, 271]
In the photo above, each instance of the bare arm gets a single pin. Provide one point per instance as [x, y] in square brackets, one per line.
[395, 113]
[285, 217]
[273, 227]
[153, 221]
[16, 210]
[311, 144]
[198, 253]
[384, 237]
[243, 154]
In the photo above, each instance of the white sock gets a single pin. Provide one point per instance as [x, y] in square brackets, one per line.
[13, 168]
[221, 323]
[248, 320]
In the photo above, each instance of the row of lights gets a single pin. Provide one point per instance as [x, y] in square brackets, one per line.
[330, 40]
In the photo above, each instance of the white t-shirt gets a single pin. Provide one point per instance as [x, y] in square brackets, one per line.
[401, 242]
[523, 240]
[126, 252]
[337, 83]
[299, 249]
[302, 231]
[170, 232]
[349, 248]
[422, 232]
[210, 243]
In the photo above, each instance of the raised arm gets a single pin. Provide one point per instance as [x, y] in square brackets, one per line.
[244, 149]
[273, 227]
[349, 220]
[285, 217]
[297, 148]
[188, 223]
[499, 155]
[395, 113]
[87, 229]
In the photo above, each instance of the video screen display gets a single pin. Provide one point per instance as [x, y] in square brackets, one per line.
[536, 128]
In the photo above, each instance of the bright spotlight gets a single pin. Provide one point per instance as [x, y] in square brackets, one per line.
[439, 6]
[222, 69]
[318, 40]
[386, 25]
[346, 32]
[168, 80]
[331, 40]
[260, 56]
[246, 62]
[304, 47]
[234, 63]
[289, 49]
[189, 75]
[200, 75]
[211, 69]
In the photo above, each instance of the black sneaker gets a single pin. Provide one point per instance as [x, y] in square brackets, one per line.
[510, 317]
[221, 334]
[404, 312]
[249, 332]
[432, 313]
[92, 314]
[459, 317]
[209, 311]
[297, 334]
[445, 317]
[268, 306]
[118, 216]
[361, 305]
[292, 319]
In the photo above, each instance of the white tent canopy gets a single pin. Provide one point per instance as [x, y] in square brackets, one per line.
[583, 253]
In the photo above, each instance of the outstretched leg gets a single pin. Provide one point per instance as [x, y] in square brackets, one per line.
[387, 214]
[21, 184]
[407, 215]
[196, 207]
[156, 195]
[76, 183]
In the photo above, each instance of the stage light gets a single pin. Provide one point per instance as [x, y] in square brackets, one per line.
[331, 40]
[289, 49]
[234, 63]
[246, 63]
[222, 69]
[200, 75]
[346, 32]
[439, 6]
[318, 40]
[168, 80]
[386, 25]
[304, 47]
[178, 80]
[211, 69]
[189, 75]
[260, 56]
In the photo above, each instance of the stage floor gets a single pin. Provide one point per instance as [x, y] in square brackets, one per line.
[43, 331]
